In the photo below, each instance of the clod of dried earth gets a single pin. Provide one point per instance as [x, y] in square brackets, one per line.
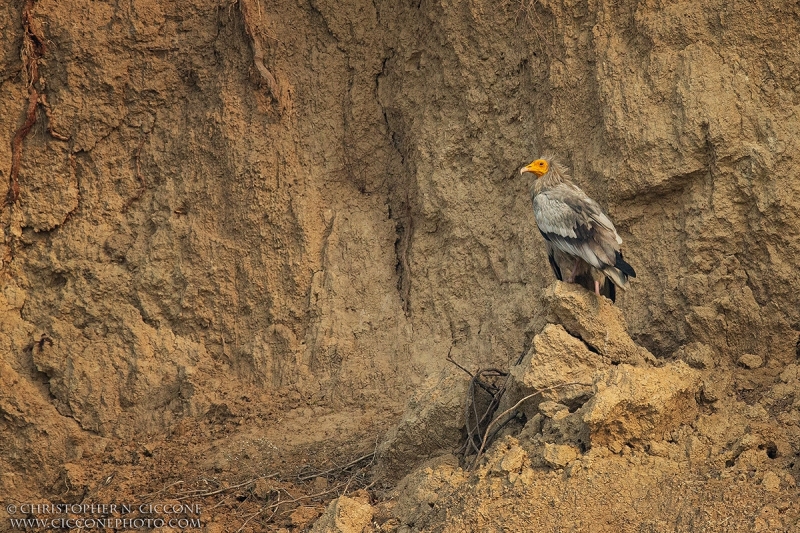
[344, 515]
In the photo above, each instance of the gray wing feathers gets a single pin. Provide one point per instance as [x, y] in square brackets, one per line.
[576, 224]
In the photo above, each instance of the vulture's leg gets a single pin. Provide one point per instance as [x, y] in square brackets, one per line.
[574, 271]
[597, 287]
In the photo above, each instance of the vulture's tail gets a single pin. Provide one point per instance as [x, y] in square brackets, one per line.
[620, 272]
[619, 278]
[624, 267]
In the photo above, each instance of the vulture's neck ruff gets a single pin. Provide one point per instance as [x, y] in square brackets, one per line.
[556, 173]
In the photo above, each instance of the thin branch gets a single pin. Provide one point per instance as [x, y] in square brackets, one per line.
[450, 358]
[306, 477]
[194, 493]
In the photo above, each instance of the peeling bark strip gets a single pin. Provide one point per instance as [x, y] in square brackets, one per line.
[245, 7]
[32, 51]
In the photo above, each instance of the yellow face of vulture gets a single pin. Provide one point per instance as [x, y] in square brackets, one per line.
[538, 167]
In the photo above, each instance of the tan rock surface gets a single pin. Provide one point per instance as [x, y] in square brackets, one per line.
[344, 515]
[640, 404]
[432, 424]
[210, 278]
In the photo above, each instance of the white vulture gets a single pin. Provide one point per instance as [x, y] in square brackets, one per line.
[581, 240]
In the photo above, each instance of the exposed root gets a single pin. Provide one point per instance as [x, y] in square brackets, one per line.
[482, 426]
[489, 435]
[246, 7]
[479, 412]
[32, 50]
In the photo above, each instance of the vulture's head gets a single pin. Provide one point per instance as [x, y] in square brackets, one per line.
[538, 167]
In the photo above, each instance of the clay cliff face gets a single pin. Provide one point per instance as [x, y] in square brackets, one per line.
[185, 227]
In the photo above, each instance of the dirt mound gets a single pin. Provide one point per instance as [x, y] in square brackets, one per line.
[601, 445]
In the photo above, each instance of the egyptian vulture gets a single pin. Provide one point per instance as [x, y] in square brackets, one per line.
[581, 240]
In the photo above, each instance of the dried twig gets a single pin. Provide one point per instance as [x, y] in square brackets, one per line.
[337, 469]
[201, 494]
[450, 358]
[163, 490]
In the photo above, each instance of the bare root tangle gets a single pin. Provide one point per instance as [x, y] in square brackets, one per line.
[32, 50]
[475, 420]
[489, 435]
[245, 6]
[527, 11]
[483, 428]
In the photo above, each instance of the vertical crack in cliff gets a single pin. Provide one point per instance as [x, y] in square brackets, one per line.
[398, 198]
[403, 227]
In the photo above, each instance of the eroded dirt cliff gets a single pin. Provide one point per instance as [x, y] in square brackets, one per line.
[247, 232]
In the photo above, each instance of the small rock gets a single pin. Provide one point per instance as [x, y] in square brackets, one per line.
[303, 516]
[640, 404]
[533, 427]
[711, 391]
[514, 459]
[615, 446]
[561, 415]
[790, 373]
[559, 455]
[771, 482]
[750, 361]
[550, 409]
[697, 451]
[659, 449]
[344, 515]
[320, 483]
[698, 355]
